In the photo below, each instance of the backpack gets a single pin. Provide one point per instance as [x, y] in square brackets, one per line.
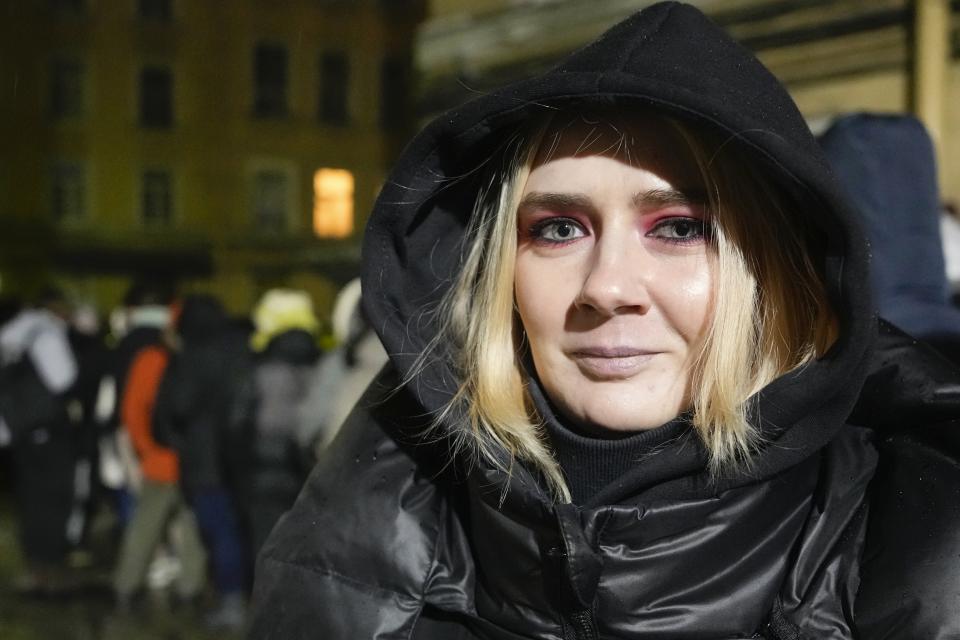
[26, 404]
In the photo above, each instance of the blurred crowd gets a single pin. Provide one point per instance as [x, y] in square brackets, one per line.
[190, 432]
[187, 431]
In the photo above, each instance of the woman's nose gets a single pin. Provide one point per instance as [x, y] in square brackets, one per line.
[617, 279]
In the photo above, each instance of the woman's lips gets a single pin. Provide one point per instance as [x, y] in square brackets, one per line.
[611, 363]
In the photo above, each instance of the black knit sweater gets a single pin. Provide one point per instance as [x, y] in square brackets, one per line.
[592, 460]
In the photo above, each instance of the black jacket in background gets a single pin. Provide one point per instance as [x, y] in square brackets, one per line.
[193, 408]
[886, 164]
[397, 536]
[265, 413]
[264, 425]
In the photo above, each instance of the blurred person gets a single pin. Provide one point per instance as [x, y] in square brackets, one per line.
[143, 316]
[637, 387]
[160, 511]
[887, 166]
[90, 350]
[138, 323]
[343, 373]
[192, 415]
[37, 371]
[9, 308]
[285, 344]
[950, 231]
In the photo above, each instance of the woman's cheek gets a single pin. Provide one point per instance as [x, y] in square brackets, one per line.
[697, 284]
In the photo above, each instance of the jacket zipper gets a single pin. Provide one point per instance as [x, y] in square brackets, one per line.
[583, 625]
[581, 622]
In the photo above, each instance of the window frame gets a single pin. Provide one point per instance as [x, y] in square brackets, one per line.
[333, 106]
[67, 87]
[287, 190]
[395, 86]
[154, 113]
[155, 10]
[320, 199]
[69, 191]
[271, 95]
[148, 194]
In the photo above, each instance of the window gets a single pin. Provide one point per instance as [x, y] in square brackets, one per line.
[156, 97]
[332, 203]
[67, 6]
[156, 198]
[160, 10]
[393, 93]
[334, 85]
[270, 200]
[68, 192]
[270, 81]
[66, 88]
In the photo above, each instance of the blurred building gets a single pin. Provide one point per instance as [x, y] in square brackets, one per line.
[240, 145]
[235, 145]
[834, 56]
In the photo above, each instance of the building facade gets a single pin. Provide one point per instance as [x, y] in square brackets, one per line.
[234, 146]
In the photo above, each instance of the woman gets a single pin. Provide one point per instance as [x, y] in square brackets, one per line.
[624, 308]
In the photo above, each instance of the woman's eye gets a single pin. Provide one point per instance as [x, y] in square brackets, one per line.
[558, 230]
[680, 229]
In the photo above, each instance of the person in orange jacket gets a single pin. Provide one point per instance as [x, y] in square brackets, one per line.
[159, 502]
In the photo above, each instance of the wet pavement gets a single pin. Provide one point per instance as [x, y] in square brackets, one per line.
[84, 609]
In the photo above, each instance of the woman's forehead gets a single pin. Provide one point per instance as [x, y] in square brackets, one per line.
[640, 140]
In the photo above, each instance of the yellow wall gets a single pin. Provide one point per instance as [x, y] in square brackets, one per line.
[453, 7]
[950, 148]
[879, 91]
[889, 92]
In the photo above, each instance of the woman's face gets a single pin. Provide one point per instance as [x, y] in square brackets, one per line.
[615, 273]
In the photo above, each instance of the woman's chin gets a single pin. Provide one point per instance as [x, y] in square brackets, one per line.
[628, 417]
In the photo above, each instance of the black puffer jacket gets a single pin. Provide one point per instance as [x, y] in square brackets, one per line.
[395, 537]
[197, 394]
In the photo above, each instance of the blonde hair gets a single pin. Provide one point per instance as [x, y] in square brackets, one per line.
[770, 313]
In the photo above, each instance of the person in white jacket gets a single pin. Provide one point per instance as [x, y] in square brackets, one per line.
[38, 369]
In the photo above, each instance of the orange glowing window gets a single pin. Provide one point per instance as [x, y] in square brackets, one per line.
[332, 203]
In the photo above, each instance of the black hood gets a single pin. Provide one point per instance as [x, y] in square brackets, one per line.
[202, 318]
[294, 346]
[671, 58]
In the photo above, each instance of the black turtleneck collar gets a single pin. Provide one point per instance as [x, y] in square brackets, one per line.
[590, 461]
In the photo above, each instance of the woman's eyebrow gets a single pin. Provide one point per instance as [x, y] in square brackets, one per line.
[555, 201]
[669, 198]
